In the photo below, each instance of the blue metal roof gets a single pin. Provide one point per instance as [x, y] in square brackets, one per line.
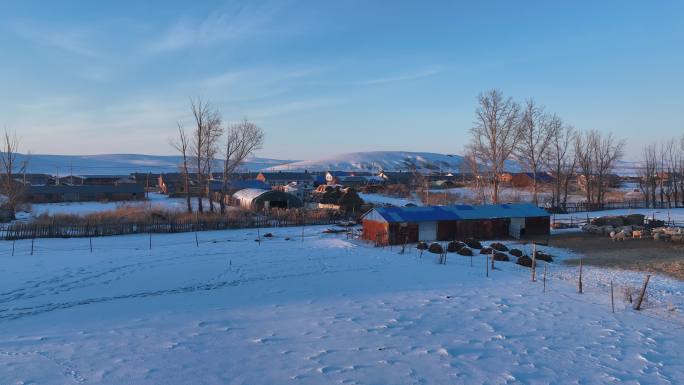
[459, 212]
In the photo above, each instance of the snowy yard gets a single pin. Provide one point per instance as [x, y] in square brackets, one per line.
[381, 199]
[154, 200]
[319, 310]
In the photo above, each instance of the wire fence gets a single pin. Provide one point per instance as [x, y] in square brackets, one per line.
[17, 231]
[581, 220]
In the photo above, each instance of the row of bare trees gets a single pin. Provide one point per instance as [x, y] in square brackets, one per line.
[538, 141]
[205, 142]
[661, 173]
[11, 169]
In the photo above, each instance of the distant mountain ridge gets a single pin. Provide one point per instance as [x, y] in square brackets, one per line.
[376, 161]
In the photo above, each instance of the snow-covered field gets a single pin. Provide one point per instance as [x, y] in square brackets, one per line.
[319, 310]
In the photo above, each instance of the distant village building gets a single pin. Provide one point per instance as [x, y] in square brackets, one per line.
[173, 184]
[32, 179]
[397, 225]
[96, 180]
[352, 178]
[71, 180]
[84, 193]
[526, 179]
[258, 199]
[282, 178]
[397, 177]
[146, 179]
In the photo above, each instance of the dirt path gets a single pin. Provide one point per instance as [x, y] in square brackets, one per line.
[632, 254]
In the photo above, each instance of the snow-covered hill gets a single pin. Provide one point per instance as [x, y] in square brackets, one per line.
[384, 160]
[120, 163]
[378, 160]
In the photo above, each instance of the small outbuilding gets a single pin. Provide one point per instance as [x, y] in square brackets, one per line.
[258, 199]
[397, 225]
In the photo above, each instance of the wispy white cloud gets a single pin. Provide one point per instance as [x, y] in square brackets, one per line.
[289, 107]
[72, 40]
[427, 72]
[233, 24]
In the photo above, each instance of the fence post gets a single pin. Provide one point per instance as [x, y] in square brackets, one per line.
[579, 285]
[534, 262]
[612, 298]
[91, 244]
[487, 264]
[643, 292]
[13, 241]
[544, 291]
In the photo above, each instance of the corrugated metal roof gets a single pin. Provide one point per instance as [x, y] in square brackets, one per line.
[459, 212]
[249, 194]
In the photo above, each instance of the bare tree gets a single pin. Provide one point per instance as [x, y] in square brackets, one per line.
[206, 119]
[680, 168]
[495, 135]
[648, 174]
[607, 152]
[667, 177]
[12, 168]
[562, 161]
[182, 144]
[242, 139]
[584, 143]
[213, 133]
[532, 150]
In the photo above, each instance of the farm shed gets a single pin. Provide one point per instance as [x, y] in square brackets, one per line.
[396, 225]
[258, 199]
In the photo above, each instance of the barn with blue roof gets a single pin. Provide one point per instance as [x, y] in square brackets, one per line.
[398, 225]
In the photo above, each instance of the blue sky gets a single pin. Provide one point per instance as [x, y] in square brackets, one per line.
[88, 77]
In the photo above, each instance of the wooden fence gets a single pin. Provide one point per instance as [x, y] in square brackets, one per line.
[584, 206]
[29, 230]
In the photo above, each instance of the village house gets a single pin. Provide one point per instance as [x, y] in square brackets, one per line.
[398, 225]
[505, 177]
